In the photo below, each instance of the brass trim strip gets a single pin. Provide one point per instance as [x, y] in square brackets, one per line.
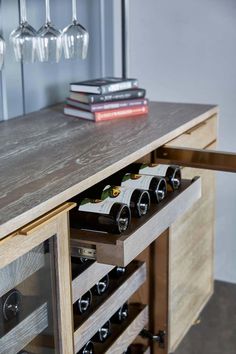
[205, 159]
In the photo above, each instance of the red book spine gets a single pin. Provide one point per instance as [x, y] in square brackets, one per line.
[121, 113]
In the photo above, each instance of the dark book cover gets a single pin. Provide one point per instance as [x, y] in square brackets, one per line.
[104, 85]
[97, 107]
[115, 96]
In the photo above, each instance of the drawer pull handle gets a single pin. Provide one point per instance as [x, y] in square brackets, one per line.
[35, 225]
[41, 221]
[206, 159]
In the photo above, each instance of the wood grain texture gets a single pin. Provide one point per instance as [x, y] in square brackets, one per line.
[63, 284]
[18, 244]
[47, 158]
[88, 278]
[112, 303]
[25, 331]
[121, 250]
[160, 279]
[191, 260]
[22, 268]
[199, 136]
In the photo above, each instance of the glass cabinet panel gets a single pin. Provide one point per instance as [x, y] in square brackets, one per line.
[28, 318]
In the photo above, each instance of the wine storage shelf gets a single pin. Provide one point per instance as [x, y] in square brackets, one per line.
[126, 332]
[120, 250]
[24, 332]
[88, 324]
[88, 277]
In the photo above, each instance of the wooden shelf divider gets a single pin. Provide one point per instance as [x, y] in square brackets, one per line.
[24, 332]
[122, 335]
[88, 278]
[114, 300]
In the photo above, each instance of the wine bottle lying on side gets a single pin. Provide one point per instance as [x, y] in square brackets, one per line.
[138, 200]
[121, 315]
[101, 286]
[100, 215]
[171, 173]
[103, 333]
[117, 272]
[84, 303]
[87, 349]
[155, 185]
[11, 304]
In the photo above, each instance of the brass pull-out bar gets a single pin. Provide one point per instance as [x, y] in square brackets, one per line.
[205, 159]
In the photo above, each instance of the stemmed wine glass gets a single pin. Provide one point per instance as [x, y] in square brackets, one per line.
[75, 38]
[2, 51]
[49, 40]
[24, 38]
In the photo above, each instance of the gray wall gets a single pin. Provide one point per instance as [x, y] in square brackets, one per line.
[185, 51]
[29, 87]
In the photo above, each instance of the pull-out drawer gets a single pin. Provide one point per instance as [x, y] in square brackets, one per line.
[121, 250]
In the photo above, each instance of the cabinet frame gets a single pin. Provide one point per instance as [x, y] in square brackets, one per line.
[55, 223]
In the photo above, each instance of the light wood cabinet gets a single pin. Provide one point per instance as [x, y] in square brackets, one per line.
[168, 253]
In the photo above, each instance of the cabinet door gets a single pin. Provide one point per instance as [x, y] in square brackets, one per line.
[191, 238]
[191, 257]
[35, 294]
[189, 246]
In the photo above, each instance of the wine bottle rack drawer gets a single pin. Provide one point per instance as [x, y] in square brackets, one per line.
[85, 280]
[120, 250]
[88, 324]
[122, 335]
[25, 331]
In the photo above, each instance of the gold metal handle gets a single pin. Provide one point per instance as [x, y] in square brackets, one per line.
[205, 159]
[53, 214]
[41, 221]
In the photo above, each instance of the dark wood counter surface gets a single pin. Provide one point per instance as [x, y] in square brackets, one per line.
[47, 158]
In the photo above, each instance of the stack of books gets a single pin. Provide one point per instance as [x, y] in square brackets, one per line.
[105, 99]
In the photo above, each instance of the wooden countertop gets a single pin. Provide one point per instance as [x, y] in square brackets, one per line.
[46, 158]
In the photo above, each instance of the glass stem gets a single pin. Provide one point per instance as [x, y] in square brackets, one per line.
[48, 15]
[23, 14]
[74, 11]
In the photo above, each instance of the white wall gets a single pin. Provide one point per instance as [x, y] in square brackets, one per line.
[185, 51]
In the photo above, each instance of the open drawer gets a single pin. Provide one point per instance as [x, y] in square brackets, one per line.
[121, 250]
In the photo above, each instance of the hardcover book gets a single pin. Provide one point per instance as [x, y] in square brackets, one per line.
[114, 96]
[104, 85]
[97, 107]
[106, 115]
